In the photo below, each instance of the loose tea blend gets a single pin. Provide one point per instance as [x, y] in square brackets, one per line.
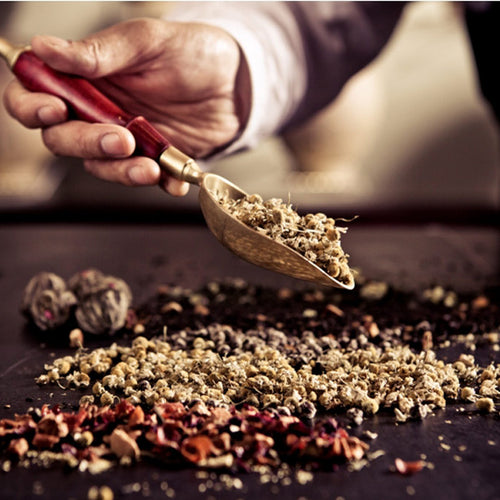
[291, 357]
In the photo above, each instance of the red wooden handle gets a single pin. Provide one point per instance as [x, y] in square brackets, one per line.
[87, 103]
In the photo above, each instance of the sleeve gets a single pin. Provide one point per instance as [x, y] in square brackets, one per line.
[299, 54]
[482, 22]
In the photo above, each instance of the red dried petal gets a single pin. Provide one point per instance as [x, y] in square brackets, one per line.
[18, 447]
[74, 421]
[222, 442]
[45, 441]
[157, 437]
[53, 425]
[172, 410]
[20, 425]
[200, 408]
[137, 417]
[407, 468]
[197, 448]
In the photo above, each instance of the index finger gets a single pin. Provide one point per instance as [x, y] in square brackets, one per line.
[33, 109]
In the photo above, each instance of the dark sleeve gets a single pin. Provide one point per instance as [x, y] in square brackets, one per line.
[483, 25]
[347, 35]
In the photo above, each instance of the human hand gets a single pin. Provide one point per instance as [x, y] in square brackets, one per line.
[187, 79]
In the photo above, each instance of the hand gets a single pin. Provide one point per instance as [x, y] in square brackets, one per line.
[187, 79]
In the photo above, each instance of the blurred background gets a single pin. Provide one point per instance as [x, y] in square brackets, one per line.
[409, 139]
[409, 132]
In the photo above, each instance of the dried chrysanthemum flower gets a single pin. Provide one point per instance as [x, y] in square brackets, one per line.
[100, 493]
[485, 405]
[315, 236]
[76, 338]
[47, 300]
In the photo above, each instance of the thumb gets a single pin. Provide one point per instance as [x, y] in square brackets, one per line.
[112, 50]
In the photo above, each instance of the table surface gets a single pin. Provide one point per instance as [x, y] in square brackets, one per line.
[150, 255]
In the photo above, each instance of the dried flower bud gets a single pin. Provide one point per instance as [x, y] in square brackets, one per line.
[355, 415]
[485, 405]
[100, 493]
[314, 235]
[468, 394]
[139, 329]
[83, 439]
[76, 338]
[171, 306]
[47, 301]
[427, 342]
[374, 290]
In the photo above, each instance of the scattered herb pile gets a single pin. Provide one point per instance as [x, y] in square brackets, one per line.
[210, 437]
[315, 236]
[368, 378]
[369, 350]
[235, 375]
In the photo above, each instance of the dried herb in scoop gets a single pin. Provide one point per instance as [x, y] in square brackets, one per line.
[314, 236]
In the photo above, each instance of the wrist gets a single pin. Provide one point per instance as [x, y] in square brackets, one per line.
[243, 93]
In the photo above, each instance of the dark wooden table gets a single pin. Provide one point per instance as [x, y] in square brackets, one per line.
[149, 255]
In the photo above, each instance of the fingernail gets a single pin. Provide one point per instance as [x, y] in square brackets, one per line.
[56, 42]
[176, 187]
[48, 115]
[136, 175]
[112, 144]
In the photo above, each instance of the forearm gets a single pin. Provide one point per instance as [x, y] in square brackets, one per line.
[271, 43]
[299, 54]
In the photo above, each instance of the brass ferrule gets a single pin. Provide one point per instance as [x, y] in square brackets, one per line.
[179, 165]
[10, 52]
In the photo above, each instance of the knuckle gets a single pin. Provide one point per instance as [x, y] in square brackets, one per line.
[147, 27]
[90, 57]
[90, 167]
[107, 170]
[88, 145]
[16, 106]
[50, 141]
[6, 99]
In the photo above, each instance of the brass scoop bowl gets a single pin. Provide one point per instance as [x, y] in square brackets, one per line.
[88, 104]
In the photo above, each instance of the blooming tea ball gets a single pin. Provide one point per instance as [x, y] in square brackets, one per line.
[47, 300]
[105, 308]
[85, 282]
